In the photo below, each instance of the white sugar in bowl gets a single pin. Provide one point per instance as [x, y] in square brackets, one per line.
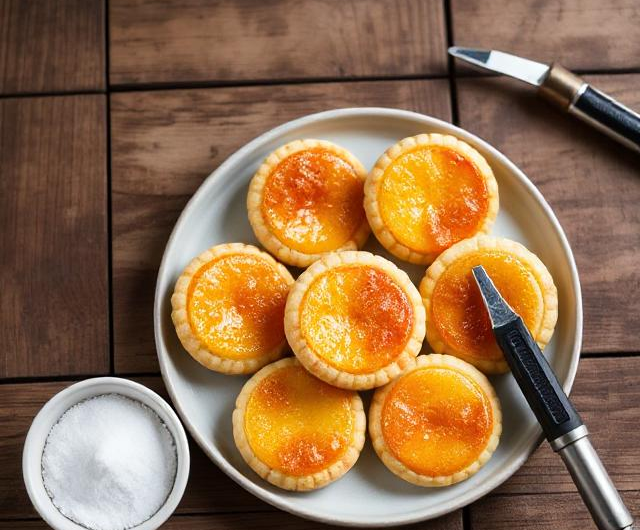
[110, 391]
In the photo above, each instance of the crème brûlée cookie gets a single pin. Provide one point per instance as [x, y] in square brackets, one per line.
[228, 308]
[306, 200]
[296, 431]
[354, 320]
[436, 424]
[457, 321]
[426, 193]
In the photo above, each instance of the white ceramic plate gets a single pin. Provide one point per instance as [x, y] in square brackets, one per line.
[369, 495]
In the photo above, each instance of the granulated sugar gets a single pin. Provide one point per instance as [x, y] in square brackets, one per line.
[109, 463]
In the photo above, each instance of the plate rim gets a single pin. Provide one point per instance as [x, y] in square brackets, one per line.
[273, 498]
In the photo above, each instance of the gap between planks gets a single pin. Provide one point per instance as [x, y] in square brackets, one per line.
[76, 377]
[188, 85]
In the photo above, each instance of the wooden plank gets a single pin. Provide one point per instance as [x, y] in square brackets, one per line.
[208, 489]
[18, 405]
[606, 394]
[542, 512]
[581, 34]
[233, 40]
[53, 236]
[590, 181]
[163, 146]
[24, 525]
[256, 520]
[51, 46]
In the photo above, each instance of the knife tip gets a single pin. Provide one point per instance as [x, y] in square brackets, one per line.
[479, 273]
[476, 56]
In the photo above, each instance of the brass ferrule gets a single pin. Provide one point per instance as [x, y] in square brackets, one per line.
[561, 86]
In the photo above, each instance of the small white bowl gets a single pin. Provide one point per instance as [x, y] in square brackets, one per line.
[58, 405]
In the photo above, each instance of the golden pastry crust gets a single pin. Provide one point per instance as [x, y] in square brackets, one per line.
[319, 366]
[548, 293]
[255, 199]
[374, 181]
[399, 468]
[277, 477]
[191, 342]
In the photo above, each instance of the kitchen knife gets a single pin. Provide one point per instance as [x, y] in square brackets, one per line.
[562, 87]
[560, 422]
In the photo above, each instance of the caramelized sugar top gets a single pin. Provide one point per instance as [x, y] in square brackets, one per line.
[313, 201]
[436, 421]
[235, 306]
[356, 318]
[432, 197]
[298, 424]
[459, 313]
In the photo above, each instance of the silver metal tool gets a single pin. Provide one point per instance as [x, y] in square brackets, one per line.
[563, 88]
[560, 421]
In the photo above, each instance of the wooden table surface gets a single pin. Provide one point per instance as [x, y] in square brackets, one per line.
[112, 114]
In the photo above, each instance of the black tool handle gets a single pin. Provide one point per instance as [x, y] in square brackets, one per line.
[606, 114]
[537, 380]
[571, 93]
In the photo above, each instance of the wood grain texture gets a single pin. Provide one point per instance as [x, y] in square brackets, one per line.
[51, 45]
[191, 40]
[18, 405]
[580, 34]
[606, 394]
[538, 512]
[53, 236]
[208, 489]
[257, 521]
[590, 181]
[164, 144]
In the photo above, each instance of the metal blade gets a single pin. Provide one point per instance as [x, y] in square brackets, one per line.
[499, 311]
[503, 63]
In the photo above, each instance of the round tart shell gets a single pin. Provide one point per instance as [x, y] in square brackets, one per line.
[376, 177]
[196, 348]
[276, 477]
[399, 468]
[255, 197]
[321, 368]
[542, 335]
